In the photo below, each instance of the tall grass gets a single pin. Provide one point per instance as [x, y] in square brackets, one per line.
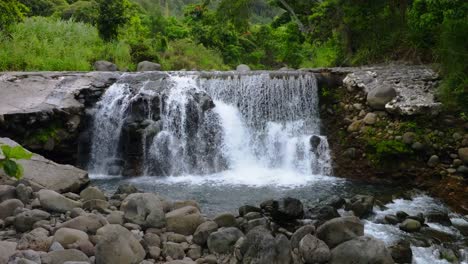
[47, 44]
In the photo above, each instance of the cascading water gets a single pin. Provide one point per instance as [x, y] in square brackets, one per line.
[194, 124]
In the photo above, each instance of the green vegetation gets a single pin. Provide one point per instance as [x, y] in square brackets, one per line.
[9, 160]
[265, 34]
[387, 152]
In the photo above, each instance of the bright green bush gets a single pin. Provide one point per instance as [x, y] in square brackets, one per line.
[11, 12]
[185, 54]
[386, 152]
[47, 44]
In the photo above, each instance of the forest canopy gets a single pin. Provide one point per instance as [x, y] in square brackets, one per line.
[220, 34]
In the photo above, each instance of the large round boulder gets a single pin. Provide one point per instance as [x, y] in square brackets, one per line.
[8, 207]
[313, 250]
[148, 66]
[361, 205]
[242, 68]
[145, 209]
[339, 230]
[361, 250]
[103, 65]
[184, 220]
[259, 246]
[117, 245]
[92, 193]
[378, 97]
[24, 221]
[88, 223]
[223, 240]
[67, 236]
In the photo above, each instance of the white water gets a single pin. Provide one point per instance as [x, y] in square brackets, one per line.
[258, 133]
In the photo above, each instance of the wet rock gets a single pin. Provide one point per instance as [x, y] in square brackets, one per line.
[286, 209]
[379, 96]
[410, 225]
[361, 250]
[68, 236]
[439, 217]
[339, 230]
[24, 221]
[401, 215]
[323, 214]
[392, 219]
[203, 231]
[92, 193]
[62, 256]
[184, 220]
[38, 239]
[118, 245]
[401, 252]
[8, 207]
[148, 66]
[56, 202]
[259, 246]
[103, 65]
[313, 250]
[223, 240]
[173, 250]
[225, 220]
[7, 249]
[144, 209]
[300, 233]
[361, 205]
[245, 209]
[88, 223]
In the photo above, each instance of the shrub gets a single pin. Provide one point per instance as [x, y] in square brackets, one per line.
[386, 152]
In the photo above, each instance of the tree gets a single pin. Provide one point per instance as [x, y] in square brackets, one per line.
[12, 11]
[111, 17]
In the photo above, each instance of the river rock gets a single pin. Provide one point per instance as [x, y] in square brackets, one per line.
[439, 217]
[117, 245]
[463, 154]
[144, 209]
[56, 202]
[116, 218]
[62, 256]
[7, 249]
[24, 193]
[38, 239]
[96, 204]
[25, 257]
[259, 246]
[410, 225]
[300, 233]
[361, 205]
[203, 231]
[378, 97]
[88, 223]
[286, 209]
[401, 252]
[242, 68]
[67, 236]
[433, 161]
[24, 221]
[245, 209]
[339, 230]
[103, 65]
[148, 66]
[92, 193]
[7, 192]
[184, 220]
[126, 188]
[361, 250]
[370, 119]
[223, 240]
[152, 240]
[173, 250]
[8, 207]
[313, 250]
[225, 220]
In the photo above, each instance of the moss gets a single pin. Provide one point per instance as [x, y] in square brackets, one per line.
[384, 153]
[42, 135]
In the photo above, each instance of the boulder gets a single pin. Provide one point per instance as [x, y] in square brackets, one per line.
[285, 210]
[117, 245]
[223, 240]
[410, 225]
[116, 218]
[7, 191]
[313, 250]
[433, 161]
[203, 231]
[24, 193]
[361, 250]
[88, 223]
[8, 207]
[245, 209]
[242, 68]
[361, 205]
[96, 204]
[92, 193]
[439, 217]
[259, 246]
[7, 249]
[148, 66]
[38, 239]
[152, 240]
[53, 201]
[184, 220]
[24, 221]
[370, 119]
[126, 189]
[401, 252]
[225, 220]
[463, 154]
[67, 236]
[173, 250]
[144, 209]
[339, 230]
[47, 174]
[25, 257]
[378, 97]
[300, 233]
[103, 65]
[62, 256]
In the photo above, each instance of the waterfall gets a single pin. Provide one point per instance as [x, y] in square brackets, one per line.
[175, 124]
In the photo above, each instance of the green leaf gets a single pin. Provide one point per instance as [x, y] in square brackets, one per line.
[11, 168]
[17, 152]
